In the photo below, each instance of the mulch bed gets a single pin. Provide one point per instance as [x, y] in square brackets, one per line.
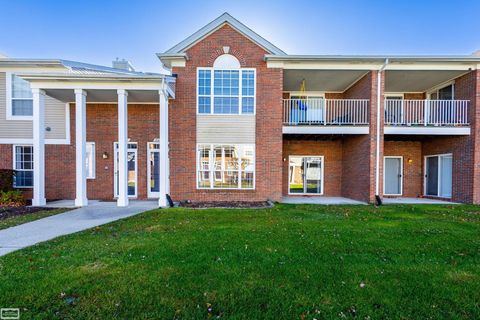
[8, 212]
[226, 204]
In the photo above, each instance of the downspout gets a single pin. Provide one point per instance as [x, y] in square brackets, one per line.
[379, 104]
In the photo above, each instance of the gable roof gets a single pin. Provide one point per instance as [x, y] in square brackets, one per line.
[216, 24]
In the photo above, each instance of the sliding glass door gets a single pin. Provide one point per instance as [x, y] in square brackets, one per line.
[438, 175]
[305, 175]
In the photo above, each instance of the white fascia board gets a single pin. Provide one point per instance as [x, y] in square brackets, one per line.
[89, 85]
[325, 129]
[322, 65]
[459, 131]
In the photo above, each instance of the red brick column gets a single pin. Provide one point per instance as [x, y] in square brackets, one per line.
[359, 151]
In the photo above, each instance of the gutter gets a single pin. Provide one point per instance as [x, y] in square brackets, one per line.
[377, 158]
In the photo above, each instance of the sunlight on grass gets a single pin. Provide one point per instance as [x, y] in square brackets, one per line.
[285, 262]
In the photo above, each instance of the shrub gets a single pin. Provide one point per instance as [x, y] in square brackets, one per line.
[6, 179]
[13, 198]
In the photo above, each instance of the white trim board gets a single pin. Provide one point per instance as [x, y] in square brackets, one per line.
[321, 129]
[458, 131]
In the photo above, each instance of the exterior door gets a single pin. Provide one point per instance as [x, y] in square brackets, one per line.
[392, 182]
[438, 176]
[305, 175]
[132, 170]
[153, 174]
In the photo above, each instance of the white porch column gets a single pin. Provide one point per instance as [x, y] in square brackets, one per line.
[122, 200]
[164, 157]
[38, 147]
[80, 147]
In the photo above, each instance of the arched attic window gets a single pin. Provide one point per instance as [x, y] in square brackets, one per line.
[226, 61]
[226, 88]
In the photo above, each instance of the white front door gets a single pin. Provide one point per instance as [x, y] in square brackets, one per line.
[392, 179]
[438, 175]
[132, 169]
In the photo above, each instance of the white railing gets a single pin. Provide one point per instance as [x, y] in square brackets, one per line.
[426, 112]
[317, 111]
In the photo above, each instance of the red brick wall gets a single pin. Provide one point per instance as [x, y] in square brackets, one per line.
[332, 152]
[102, 128]
[268, 121]
[358, 176]
[412, 172]
[466, 169]
[414, 96]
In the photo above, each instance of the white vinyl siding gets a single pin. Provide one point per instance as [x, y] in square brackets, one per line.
[234, 129]
[55, 118]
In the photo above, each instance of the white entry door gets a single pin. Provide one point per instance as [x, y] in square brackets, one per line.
[132, 169]
[392, 178]
[438, 175]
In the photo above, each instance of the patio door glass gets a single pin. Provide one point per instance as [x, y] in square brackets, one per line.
[305, 175]
[132, 170]
[393, 176]
[438, 176]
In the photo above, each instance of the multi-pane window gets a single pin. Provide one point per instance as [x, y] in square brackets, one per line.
[21, 97]
[226, 166]
[23, 165]
[222, 91]
[90, 160]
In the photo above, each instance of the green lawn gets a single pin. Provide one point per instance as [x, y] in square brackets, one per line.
[14, 221]
[287, 262]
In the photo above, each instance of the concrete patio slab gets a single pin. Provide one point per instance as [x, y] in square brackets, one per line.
[95, 214]
[402, 200]
[320, 200]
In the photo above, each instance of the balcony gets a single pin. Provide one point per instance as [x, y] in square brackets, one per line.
[325, 116]
[447, 117]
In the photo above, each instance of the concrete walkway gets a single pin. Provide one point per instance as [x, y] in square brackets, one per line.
[401, 200]
[319, 200]
[95, 214]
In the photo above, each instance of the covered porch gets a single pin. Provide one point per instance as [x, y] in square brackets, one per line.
[83, 87]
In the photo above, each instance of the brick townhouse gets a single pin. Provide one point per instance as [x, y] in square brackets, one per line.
[238, 119]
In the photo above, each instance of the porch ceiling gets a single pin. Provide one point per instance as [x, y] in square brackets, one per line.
[105, 96]
[321, 80]
[417, 80]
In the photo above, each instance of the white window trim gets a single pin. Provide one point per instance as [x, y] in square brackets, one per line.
[9, 98]
[93, 157]
[322, 172]
[212, 172]
[151, 194]
[240, 94]
[401, 175]
[14, 164]
[439, 177]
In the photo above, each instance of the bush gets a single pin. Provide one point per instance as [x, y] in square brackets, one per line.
[6, 179]
[13, 198]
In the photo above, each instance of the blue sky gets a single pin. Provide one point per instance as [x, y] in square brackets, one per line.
[99, 31]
